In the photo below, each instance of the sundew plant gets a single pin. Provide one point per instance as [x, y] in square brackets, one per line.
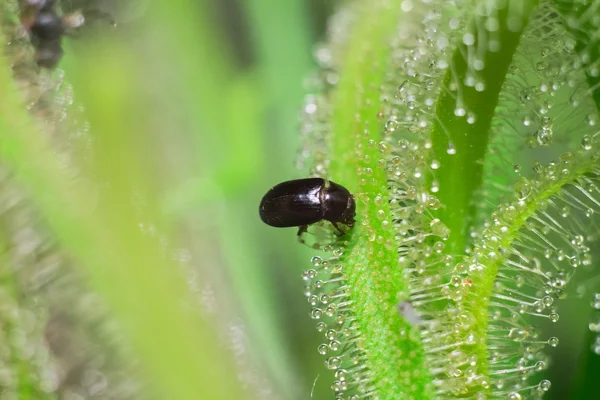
[133, 264]
[467, 130]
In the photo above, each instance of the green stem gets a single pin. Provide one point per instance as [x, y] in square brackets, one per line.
[461, 174]
[478, 299]
[371, 258]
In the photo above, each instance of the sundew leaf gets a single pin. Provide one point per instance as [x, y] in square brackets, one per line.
[467, 134]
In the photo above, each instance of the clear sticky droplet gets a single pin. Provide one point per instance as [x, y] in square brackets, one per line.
[451, 149]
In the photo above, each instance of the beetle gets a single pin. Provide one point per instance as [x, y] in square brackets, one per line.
[46, 29]
[303, 202]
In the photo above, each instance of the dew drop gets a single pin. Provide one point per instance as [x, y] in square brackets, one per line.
[522, 189]
[553, 341]
[544, 385]
[322, 349]
[591, 119]
[435, 164]
[586, 142]
[543, 136]
[596, 301]
[514, 396]
[333, 363]
[391, 125]
[553, 317]
[334, 345]
[451, 149]
[384, 147]
[468, 39]
[547, 301]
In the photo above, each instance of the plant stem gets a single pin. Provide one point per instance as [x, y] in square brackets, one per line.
[461, 174]
[371, 259]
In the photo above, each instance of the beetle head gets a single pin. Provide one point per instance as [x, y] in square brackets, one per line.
[349, 213]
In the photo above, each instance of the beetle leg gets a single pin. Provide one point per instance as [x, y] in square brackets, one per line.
[96, 14]
[302, 229]
[73, 21]
[341, 232]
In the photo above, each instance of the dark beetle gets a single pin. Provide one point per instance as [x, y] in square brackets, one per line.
[46, 29]
[305, 201]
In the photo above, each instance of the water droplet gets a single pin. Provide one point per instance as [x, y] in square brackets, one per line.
[543, 136]
[544, 385]
[391, 125]
[435, 164]
[334, 345]
[468, 39]
[522, 189]
[553, 341]
[586, 142]
[384, 147]
[322, 349]
[316, 261]
[451, 149]
[596, 301]
[333, 363]
[553, 317]
[591, 119]
[540, 365]
[514, 396]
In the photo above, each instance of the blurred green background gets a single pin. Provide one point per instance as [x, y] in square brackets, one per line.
[227, 86]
